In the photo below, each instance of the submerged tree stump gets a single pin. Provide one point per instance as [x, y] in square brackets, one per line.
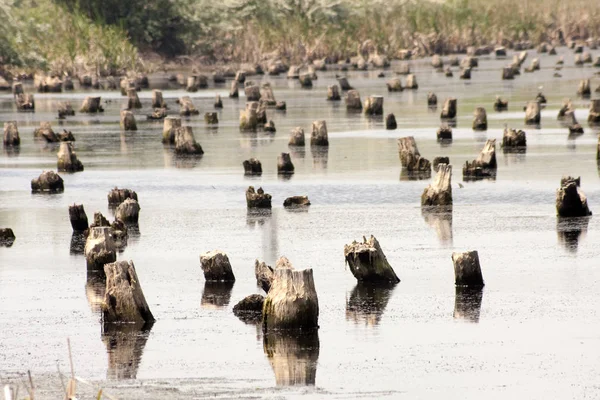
[292, 301]
[116, 196]
[252, 92]
[234, 92]
[185, 143]
[439, 160]
[508, 73]
[11, 134]
[296, 201]
[479, 119]
[211, 118]
[128, 211]
[78, 218]
[133, 101]
[411, 82]
[353, 100]
[319, 136]
[465, 73]
[484, 165]
[186, 107]
[410, 158]
[437, 62]
[257, 199]
[395, 85]
[218, 102]
[128, 121]
[570, 200]
[374, 105]
[533, 113]
[91, 105]
[333, 93]
[7, 237]
[343, 82]
[48, 181]
[449, 109]
[584, 89]
[252, 167]
[432, 99]
[284, 164]
[368, 263]
[306, 80]
[124, 300]
[264, 275]
[45, 132]
[467, 271]
[25, 102]
[67, 159]
[390, 122]
[65, 109]
[100, 248]
[249, 117]
[157, 99]
[170, 125]
[444, 132]
[297, 137]
[513, 138]
[594, 115]
[500, 104]
[439, 193]
[250, 308]
[216, 267]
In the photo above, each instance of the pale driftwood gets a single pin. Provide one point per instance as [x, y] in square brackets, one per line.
[252, 167]
[292, 301]
[258, 198]
[374, 105]
[410, 158]
[484, 165]
[48, 181]
[128, 211]
[570, 200]
[449, 109]
[467, 271]
[78, 218]
[100, 248]
[479, 119]
[67, 159]
[297, 137]
[11, 134]
[216, 266]
[124, 300]
[439, 193]
[319, 136]
[170, 125]
[185, 143]
[128, 121]
[368, 263]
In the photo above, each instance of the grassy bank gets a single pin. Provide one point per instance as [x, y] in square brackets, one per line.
[103, 35]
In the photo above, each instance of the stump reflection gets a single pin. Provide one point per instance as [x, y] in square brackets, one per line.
[570, 231]
[367, 302]
[124, 345]
[216, 294]
[467, 303]
[293, 356]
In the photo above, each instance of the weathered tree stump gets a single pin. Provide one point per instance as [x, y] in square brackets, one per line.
[67, 159]
[449, 109]
[100, 248]
[186, 107]
[257, 199]
[65, 109]
[333, 93]
[7, 237]
[270, 127]
[296, 201]
[170, 125]
[240, 77]
[533, 113]
[116, 196]
[297, 137]
[292, 301]
[133, 101]
[216, 267]
[124, 300]
[411, 82]
[264, 275]
[390, 122]
[448, 72]
[353, 100]
[513, 138]
[25, 102]
[319, 136]
[157, 99]
[66, 136]
[439, 193]
[508, 73]
[306, 80]
[185, 143]
[343, 82]
[368, 263]
[465, 73]
[584, 89]
[479, 119]
[128, 211]
[252, 92]
[467, 271]
[566, 107]
[17, 88]
[594, 115]
[218, 77]
[78, 218]
[439, 160]
[211, 118]
[437, 62]
[293, 72]
[540, 98]
[192, 85]
[572, 124]
[218, 102]
[128, 121]
[261, 112]
[395, 85]
[484, 166]
[250, 308]
[500, 104]
[444, 132]
[249, 117]
[432, 99]
[11, 134]
[410, 158]
[374, 105]
[500, 52]
[281, 106]
[570, 200]
[266, 94]
[157, 114]
[284, 164]
[91, 105]
[252, 167]
[48, 181]
[234, 92]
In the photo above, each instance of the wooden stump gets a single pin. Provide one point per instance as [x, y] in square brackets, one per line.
[479, 119]
[410, 158]
[128, 211]
[343, 82]
[297, 137]
[78, 218]
[216, 267]
[570, 200]
[374, 105]
[186, 107]
[484, 165]
[11, 134]
[67, 159]
[252, 167]
[257, 199]
[319, 135]
[128, 121]
[100, 248]
[284, 164]
[157, 99]
[449, 109]
[411, 82]
[296, 201]
[467, 271]
[439, 193]
[91, 105]
[390, 122]
[170, 125]
[532, 113]
[368, 263]
[48, 181]
[264, 275]
[513, 138]
[45, 133]
[185, 143]
[333, 93]
[395, 85]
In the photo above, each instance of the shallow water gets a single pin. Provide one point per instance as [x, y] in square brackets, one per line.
[531, 332]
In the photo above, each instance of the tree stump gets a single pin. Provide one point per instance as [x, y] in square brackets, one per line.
[100, 248]
[333, 93]
[484, 166]
[368, 263]
[570, 200]
[133, 101]
[185, 143]
[7, 237]
[305, 80]
[186, 107]
[257, 199]
[296, 201]
[513, 138]
[297, 137]
[157, 99]
[252, 92]
[374, 105]
[128, 121]
[532, 113]
[216, 267]
[480, 119]
[411, 82]
[390, 122]
[343, 82]
[264, 275]
[439, 193]
[266, 94]
[218, 102]
[11, 134]
[252, 167]
[410, 158]
[449, 109]
[319, 136]
[170, 125]
[284, 164]
[128, 211]
[353, 102]
[234, 92]
[78, 218]
[594, 115]
[45, 132]
[467, 271]
[249, 117]
[395, 85]
[211, 118]
[444, 132]
[48, 181]
[91, 105]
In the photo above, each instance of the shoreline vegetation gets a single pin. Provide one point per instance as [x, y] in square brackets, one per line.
[111, 37]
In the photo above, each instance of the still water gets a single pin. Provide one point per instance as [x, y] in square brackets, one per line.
[533, 332]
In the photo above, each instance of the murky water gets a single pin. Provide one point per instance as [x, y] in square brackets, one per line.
[532, 332]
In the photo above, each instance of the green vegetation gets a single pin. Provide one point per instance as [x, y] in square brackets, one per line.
[104, 35]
